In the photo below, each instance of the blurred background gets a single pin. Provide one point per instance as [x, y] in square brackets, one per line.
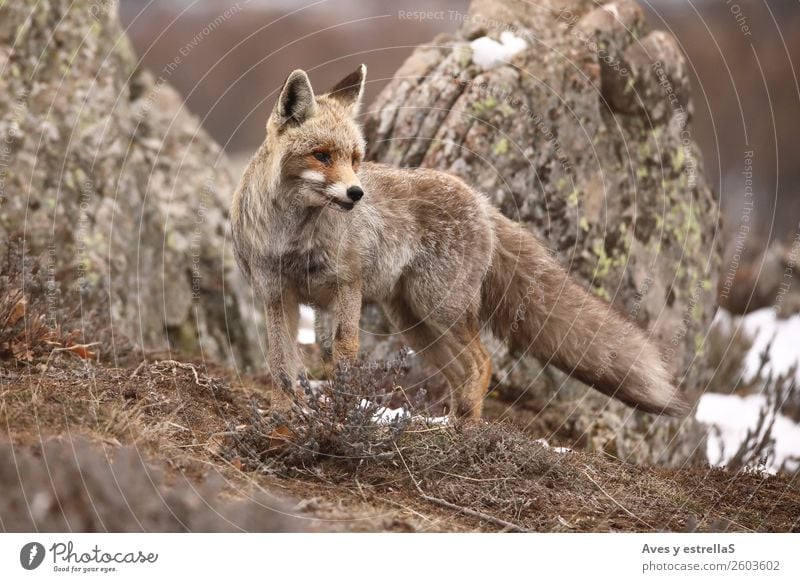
[741, 55]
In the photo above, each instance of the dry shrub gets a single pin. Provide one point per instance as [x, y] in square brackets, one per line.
[500, 477]
[728, 348]
[71, 486]
[35, 317]
[336, 421]
[29, 306]
[759, 443]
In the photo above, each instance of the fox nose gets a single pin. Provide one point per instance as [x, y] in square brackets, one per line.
[355, 193]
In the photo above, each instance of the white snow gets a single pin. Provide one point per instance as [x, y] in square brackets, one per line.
[762, 326]
[487, 53]
[546, 445]
[732, 416]
[305, 333]
[386, 415]
[613, 9]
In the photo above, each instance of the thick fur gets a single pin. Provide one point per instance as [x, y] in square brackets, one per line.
[532, 302]
[433, 252]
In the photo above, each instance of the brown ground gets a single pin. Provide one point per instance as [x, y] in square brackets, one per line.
[491, 477]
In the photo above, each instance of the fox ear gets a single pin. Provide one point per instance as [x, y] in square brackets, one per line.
[296, 102]
[349, 90]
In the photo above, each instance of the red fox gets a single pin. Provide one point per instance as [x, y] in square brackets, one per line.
[314, 223]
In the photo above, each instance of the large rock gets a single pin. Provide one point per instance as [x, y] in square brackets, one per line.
[107, 175]
[582, 135]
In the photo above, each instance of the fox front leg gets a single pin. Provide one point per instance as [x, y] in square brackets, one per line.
[346, 315]
[282, 319]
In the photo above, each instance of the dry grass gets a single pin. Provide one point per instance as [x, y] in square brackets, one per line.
[490, 477]
[497, 475]
[38, 319]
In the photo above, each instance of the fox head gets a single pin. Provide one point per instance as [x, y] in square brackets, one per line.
[318, 142]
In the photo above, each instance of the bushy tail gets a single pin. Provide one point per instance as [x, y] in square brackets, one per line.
[531, 302]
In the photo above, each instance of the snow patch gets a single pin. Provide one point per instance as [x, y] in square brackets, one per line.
[385, 415]
[543, 443]
[305, 332]
[487, 53]
[732, 416]
[613, 9]
[762, 326]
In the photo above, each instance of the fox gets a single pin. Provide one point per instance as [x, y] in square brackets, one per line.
[313, 222]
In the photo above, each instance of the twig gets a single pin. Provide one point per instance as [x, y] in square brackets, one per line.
[405, 507]
[192, 445]
[178, 426]
[361, 490]
[399, 388]
[137, 370]
[69, 349]
[475, 479]
[73, 347]
[617, 503]
[506, 525]
[184, 366]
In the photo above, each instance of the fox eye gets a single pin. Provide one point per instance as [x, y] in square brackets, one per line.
[323, 157]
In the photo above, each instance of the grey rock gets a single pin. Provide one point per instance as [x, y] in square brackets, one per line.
[108, 177]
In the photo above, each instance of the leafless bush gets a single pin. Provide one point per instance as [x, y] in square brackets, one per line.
[35, 319]
[28, 306]
[758, 445]
[341, 421]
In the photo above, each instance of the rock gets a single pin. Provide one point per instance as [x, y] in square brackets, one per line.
[107, 176]
[584, 137]
[74, 485]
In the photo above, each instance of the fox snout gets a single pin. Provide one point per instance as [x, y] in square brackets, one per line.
[352, 194]
[338, 184]
[346, 184]
[355, 193]
[344, 197]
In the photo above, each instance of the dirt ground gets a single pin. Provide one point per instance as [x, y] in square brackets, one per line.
[186, 422]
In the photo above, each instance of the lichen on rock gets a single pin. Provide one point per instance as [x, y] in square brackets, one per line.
[107, 176]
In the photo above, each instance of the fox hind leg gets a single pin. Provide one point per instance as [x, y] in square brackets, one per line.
[470, 371]
[455, 349]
